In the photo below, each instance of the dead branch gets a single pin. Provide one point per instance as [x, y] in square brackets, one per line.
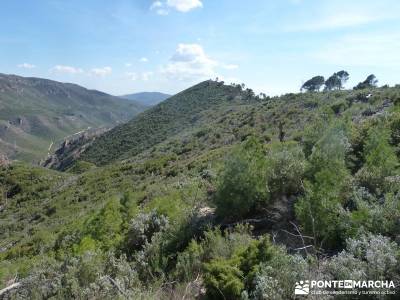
[115, 284]
[10, 287]
[301, 236]
[296, 235]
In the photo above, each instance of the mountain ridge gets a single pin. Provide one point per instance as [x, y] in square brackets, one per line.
[36, 113]
[168, 118]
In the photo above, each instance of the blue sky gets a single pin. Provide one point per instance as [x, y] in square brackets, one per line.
[124, 46]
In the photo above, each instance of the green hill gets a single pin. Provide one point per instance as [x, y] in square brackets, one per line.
[36, 113]
[188, 109]
[213, 192]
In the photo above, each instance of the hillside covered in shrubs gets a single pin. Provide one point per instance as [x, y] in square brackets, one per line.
[213, 194]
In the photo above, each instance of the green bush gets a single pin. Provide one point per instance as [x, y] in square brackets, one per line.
[380, 160]
[327, 188]
[285, 167]
[223, 279]
[368, 257]
[242, 185]
[106, 226]
[379, 216]
[229, 277]
[276, 278]
[141, 230]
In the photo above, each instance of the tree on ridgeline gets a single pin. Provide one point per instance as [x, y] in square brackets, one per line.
[370, 82]
[343, 76]
[336, 81]
[314, 84]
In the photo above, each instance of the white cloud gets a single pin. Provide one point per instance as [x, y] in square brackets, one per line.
[67, 69]
[184, 5]
[156, 4]
[160, 8]
[163, 7]
[26, 66]
[101, 72]
[144, 59]
[190, 62]
[128, 65]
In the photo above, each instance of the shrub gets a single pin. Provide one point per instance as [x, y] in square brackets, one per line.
[189, 262]
[380, 160]
[141, 230]
[370, 257]
[106, 226]
[319, 210]
[276, 279]
[223, 278]
[285, 169]
[242, 186]
[379, 216]
[228, 277]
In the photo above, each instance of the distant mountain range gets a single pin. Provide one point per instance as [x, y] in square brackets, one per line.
[36, 114]
[147, 98]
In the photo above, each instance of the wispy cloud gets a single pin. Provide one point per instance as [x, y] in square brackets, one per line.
[160, 8]
[144, 59]
[101, 72]
[184, 5]
[66, 69]
[26, 66]
[164, 7]
[145, 76]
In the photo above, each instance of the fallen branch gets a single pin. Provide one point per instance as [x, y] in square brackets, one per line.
[189, 284]
[10, 287]
[115, 284]
[301, 236]
[303, 248]
[297, 235]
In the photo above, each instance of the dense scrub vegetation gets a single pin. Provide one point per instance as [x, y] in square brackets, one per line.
[253, 198]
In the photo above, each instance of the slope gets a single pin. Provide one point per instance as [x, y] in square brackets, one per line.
[74, 231]
[183, 111]
[37, 113]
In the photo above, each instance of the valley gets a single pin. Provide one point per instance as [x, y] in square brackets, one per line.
[213, 190]
[35, 113]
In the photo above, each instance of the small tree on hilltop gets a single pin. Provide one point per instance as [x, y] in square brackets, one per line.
[370, 82]
[314, 84]
[343, 76]
[333, 83]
